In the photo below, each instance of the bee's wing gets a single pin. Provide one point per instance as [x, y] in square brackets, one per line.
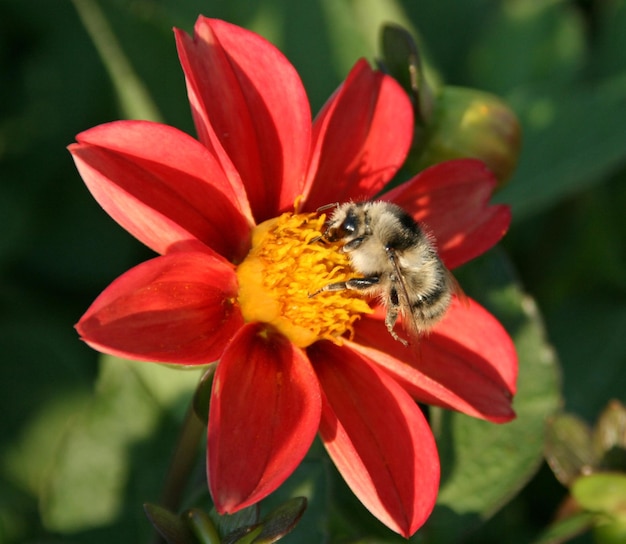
[408, 320]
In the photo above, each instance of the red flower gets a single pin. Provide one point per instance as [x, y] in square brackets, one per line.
[235, 268]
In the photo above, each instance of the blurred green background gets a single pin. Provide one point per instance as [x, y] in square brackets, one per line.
[560, 65]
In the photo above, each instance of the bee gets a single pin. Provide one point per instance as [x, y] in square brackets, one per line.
[396, 261]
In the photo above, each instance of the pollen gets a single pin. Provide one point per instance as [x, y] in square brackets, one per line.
[285, 265]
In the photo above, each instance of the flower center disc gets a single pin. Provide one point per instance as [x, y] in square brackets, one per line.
[282, 270]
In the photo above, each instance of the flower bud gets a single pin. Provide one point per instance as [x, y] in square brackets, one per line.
[470, 123]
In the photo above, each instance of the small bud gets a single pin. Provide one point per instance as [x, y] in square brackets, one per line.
[202, 526]
[568, 448]
[602, 493]
[169, 525]
[470, 123]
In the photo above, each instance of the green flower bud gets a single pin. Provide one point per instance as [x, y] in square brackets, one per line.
[469, 123]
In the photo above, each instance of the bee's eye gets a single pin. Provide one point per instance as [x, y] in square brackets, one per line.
[344, 229]
[350, 224]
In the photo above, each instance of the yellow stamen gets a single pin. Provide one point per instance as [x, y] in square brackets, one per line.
[281, 271]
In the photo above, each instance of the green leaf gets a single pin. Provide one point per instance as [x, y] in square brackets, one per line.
[525, 42]
[402, 60]
[483, 464]
[239, 523]
[118, 449]
[572, 141]
[281, 520]
[313, 480]
[246, 529]
[587, 331]
[609, 39]
[249, 538]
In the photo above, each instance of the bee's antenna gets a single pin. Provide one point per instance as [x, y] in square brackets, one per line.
[327, 206]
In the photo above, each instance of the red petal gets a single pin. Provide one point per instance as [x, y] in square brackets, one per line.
[452, 200]
[162, 186]
[467, 362]
[264, 414]
[175, 309]
[362, 136]
[377, 437]
[248, 101]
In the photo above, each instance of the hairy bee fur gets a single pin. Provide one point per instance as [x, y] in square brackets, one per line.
[395, 260]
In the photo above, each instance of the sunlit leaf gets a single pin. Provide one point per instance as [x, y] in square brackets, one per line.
[111, 451]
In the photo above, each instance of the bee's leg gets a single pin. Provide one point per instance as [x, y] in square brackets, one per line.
[393, 309]
[352, 245]
[354, 284]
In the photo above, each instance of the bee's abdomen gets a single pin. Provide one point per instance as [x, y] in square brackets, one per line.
[431, 307]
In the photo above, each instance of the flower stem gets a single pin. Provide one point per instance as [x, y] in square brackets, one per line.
[182, 463]
[137, 103]
[183, 460]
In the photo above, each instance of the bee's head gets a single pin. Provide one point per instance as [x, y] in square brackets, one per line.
[344, 223]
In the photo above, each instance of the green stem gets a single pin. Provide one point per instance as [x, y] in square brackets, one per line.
[134, 97]
[183, 460]
[182, 463]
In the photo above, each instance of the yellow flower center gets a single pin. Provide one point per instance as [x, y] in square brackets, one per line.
[283, 268]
